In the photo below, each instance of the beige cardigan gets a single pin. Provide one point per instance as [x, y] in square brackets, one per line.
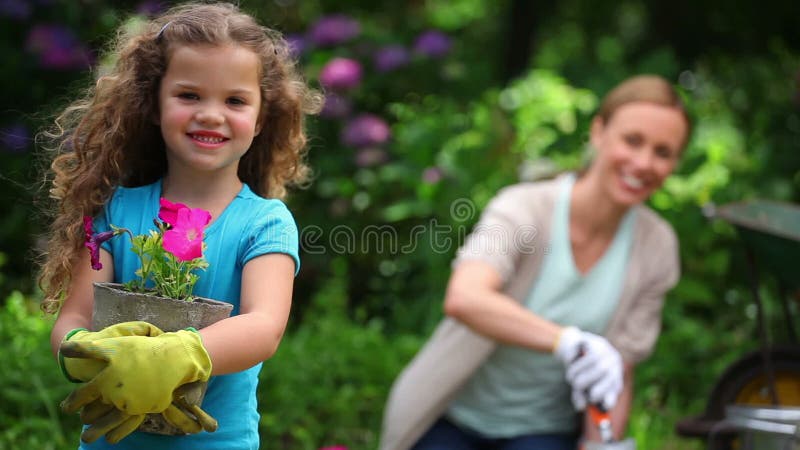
[512, 236]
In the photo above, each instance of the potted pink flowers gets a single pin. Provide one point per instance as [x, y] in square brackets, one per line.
[171, 257]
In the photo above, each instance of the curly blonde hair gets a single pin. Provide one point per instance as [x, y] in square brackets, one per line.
[108, 138]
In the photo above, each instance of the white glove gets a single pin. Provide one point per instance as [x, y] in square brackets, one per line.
[594, 368]
[568, 349]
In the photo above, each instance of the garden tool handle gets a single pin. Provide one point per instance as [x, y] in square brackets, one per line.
[598, 414]
[602, 420]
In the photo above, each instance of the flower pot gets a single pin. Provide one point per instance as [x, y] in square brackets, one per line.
[113, 304]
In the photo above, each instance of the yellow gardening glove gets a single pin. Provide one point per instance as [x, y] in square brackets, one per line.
[186, 415]
[80, 369]
[141, 372]
[105, 419]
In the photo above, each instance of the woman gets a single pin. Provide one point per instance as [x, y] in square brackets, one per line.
[556, 295]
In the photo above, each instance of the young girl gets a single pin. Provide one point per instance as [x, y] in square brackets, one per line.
[203, 107]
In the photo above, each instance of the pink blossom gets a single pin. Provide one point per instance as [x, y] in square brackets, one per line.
[432, 175]
[185, 238]
[365, 130]
[93, 241]
[371, 156]
[341, 74]
[168, 212]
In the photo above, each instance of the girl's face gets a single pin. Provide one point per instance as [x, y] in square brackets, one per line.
[637, 148]
[209, 102]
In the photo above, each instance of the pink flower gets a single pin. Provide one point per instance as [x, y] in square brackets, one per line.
[366, 130]
[432, 175]
[169, 211]
[340, 74]
[93, 241]
[185, 238]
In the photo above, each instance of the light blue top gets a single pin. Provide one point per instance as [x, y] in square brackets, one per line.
[249, 227]
[519, 391]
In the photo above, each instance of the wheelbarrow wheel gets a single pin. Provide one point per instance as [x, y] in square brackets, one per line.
[745, 382]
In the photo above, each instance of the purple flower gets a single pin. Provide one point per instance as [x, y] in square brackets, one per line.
[15, 9]
[341, 74]
[14, 138]
[368, 157]
[334, 30]
[366, 130]
[150, 7]
[297, 44]
[390, 58]
[57, 48]
[93, 241]
[432, 175]
[433, 44]
[336, 106]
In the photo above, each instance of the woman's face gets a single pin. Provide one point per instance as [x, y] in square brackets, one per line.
[637, 148]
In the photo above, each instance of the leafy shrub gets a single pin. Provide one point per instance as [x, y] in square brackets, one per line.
[330, 377]
[31, 384]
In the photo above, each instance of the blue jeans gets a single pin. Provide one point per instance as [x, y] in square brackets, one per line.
[444, 435]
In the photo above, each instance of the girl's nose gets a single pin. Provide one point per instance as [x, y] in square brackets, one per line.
[209, 116]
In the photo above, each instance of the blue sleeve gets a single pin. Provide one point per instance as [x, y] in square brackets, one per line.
[273, 231]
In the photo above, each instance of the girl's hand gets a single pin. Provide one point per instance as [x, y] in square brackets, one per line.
[81, 369]
[141, 373]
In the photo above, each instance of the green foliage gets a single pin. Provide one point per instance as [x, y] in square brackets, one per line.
[31, 384]
[170, 276]
[329, 379]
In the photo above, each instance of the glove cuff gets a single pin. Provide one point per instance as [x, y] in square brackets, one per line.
[193, 344]
[566, 345]
[61, 364]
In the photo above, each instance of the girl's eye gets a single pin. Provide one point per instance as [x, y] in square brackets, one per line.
[236, 101]
[188, 96]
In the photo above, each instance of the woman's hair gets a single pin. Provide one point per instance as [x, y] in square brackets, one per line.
[644, 88]
[109, 137]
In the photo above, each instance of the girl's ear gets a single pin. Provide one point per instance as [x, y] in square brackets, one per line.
[260, 123]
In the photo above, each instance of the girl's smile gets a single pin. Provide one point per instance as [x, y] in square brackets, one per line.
[207, 139]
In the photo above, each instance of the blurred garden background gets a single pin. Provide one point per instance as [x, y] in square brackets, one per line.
[431, 107]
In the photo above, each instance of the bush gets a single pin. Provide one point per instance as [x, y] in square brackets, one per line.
[329, 380]
[31, 384]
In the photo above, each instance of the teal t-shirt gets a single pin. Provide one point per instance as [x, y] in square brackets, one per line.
[249, 227]
[519, 391]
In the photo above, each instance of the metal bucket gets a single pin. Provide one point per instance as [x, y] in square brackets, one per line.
[626, 444]
[765, 428]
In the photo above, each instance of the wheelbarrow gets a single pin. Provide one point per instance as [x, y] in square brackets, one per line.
[767, 379]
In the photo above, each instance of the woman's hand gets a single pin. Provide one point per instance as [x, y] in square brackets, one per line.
[594, 367]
